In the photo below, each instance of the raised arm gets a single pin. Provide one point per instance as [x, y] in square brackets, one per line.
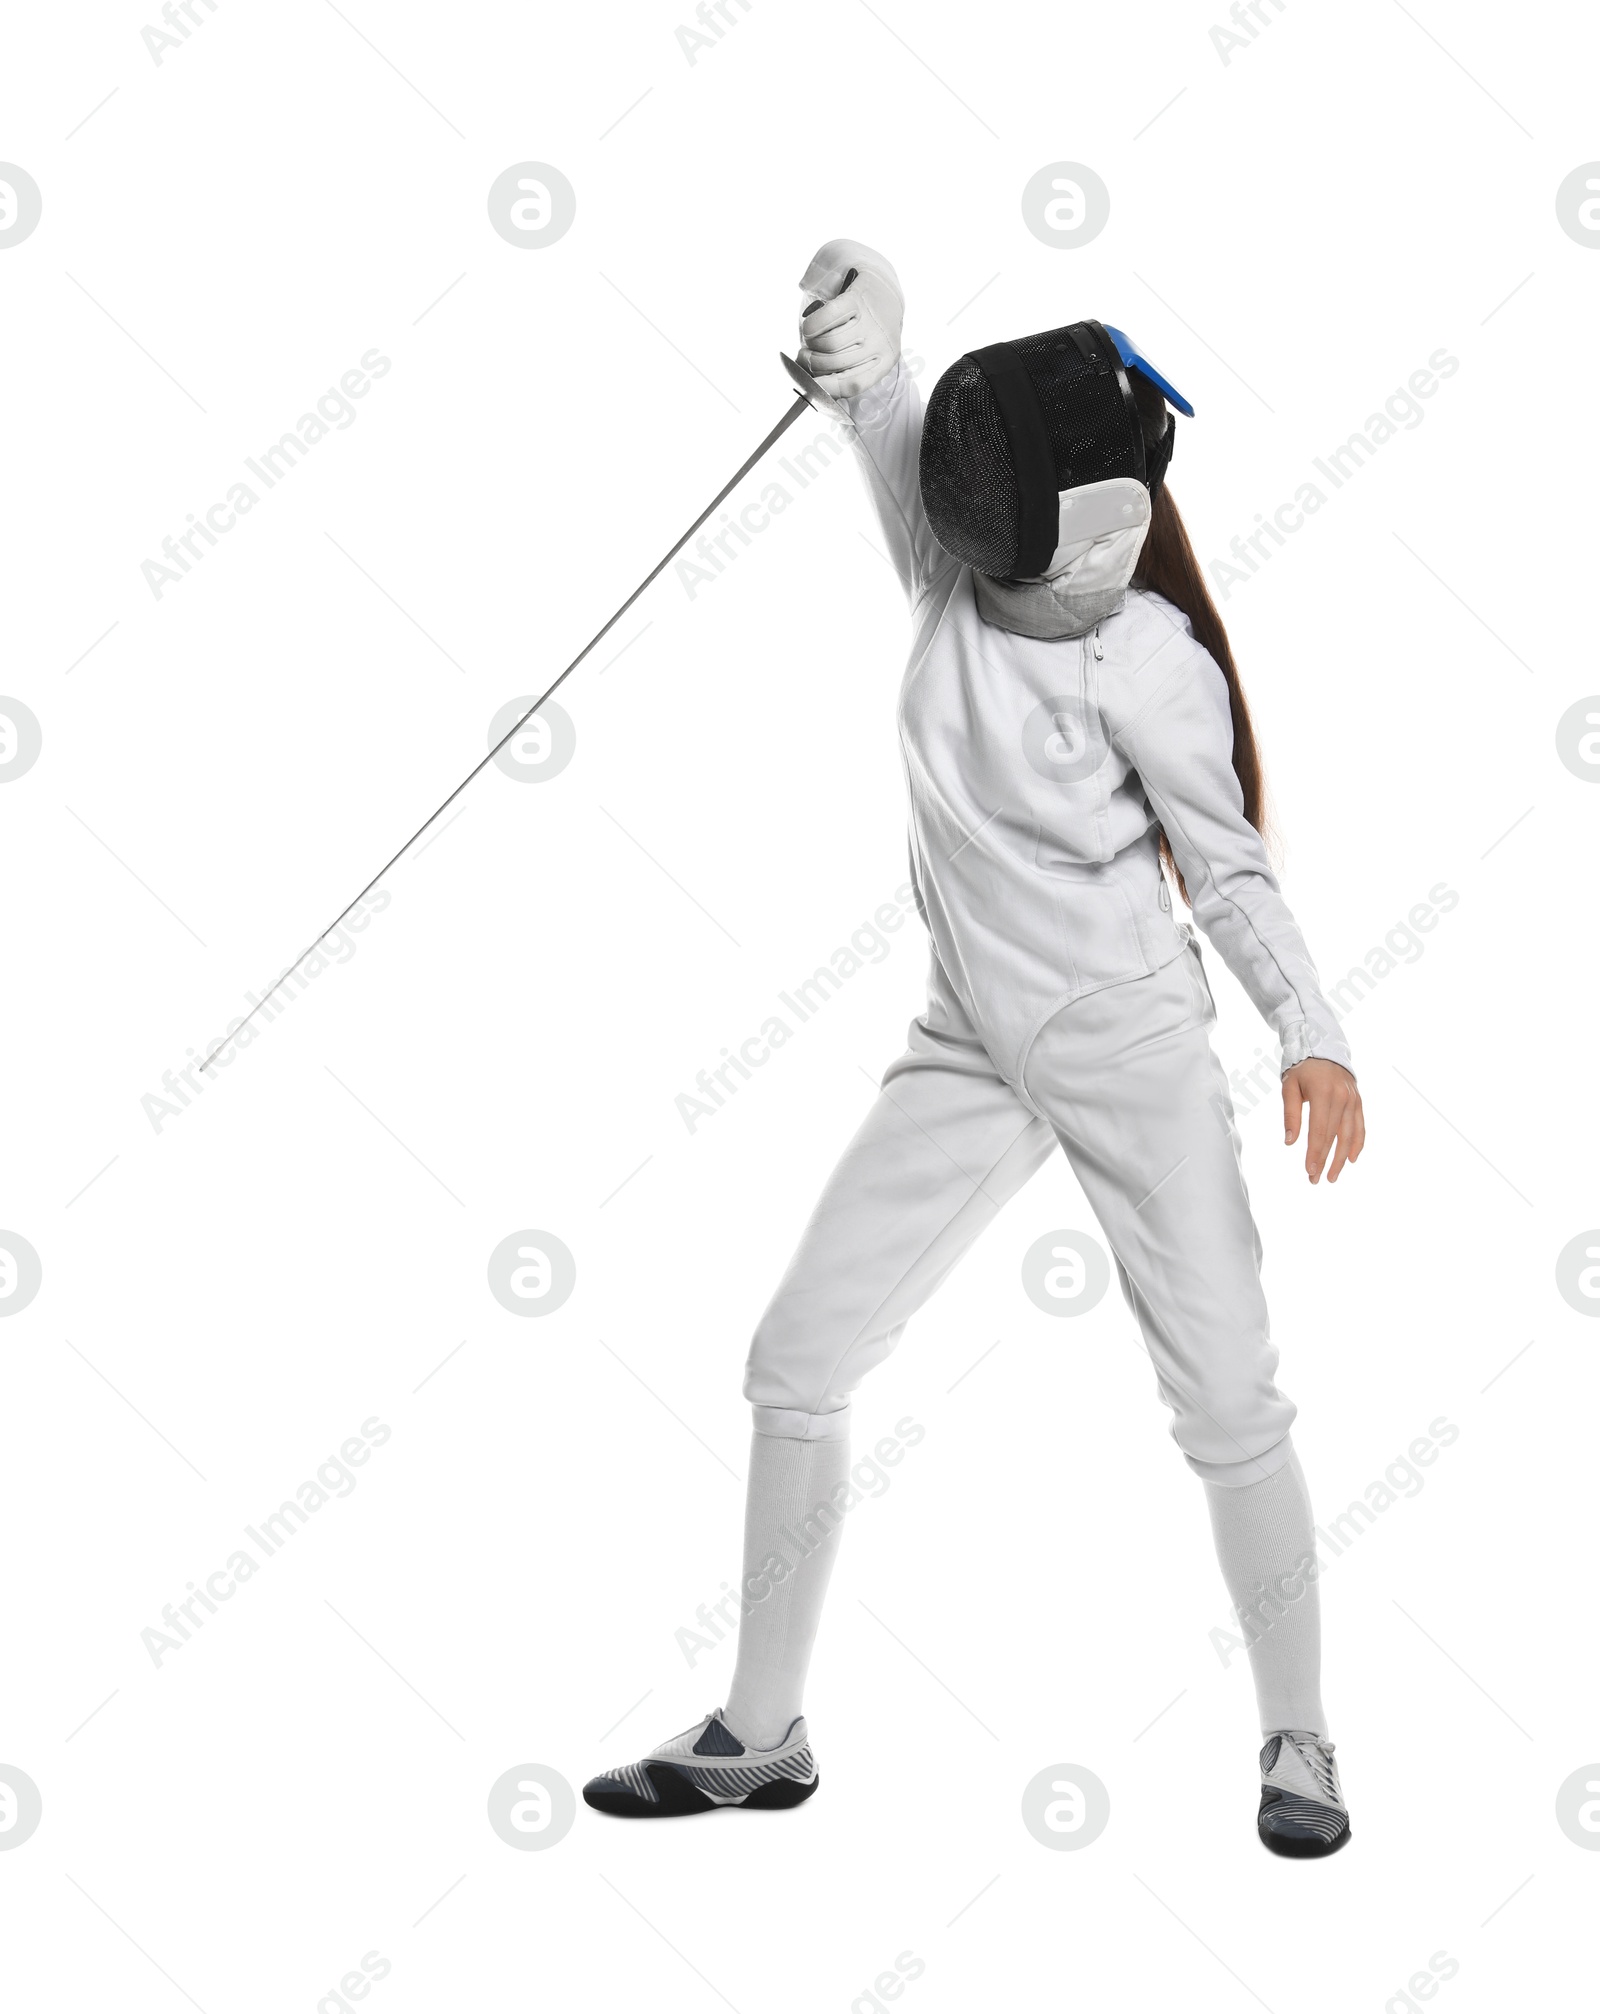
[850, 344]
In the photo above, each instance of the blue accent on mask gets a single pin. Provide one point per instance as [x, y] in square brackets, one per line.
[1133, 360]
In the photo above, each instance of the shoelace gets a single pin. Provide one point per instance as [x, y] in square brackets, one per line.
[1317, 1755]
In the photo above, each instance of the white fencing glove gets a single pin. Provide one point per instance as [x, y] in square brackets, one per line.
[850, 335]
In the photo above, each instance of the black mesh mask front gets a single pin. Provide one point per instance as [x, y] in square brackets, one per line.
[1010, 426]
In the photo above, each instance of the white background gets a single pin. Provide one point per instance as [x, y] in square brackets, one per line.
[1292, 234]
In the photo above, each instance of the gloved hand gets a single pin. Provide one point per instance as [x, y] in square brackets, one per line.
[850, 339]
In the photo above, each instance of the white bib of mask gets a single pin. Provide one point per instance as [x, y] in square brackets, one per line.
[1102, 532]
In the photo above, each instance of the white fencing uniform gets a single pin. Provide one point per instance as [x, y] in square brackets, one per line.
[1065, 1001]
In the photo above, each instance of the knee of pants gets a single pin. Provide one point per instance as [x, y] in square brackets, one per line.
[1240, 1474]
[799, 1390]
[1232, 1431]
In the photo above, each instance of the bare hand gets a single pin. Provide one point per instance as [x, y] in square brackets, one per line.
[1337, 1121]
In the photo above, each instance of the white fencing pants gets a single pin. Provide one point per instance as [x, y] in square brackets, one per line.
[1125, 1079]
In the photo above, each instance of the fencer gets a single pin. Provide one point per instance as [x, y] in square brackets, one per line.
[1078, 752]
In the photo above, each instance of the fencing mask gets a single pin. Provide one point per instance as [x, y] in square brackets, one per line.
[1036, 470]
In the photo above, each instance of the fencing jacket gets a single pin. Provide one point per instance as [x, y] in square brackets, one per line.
[1041, 773]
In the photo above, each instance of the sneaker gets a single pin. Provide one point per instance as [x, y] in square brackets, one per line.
[1302, 1807]
[708, 1768]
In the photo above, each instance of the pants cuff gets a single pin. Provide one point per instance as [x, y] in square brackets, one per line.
[780, 1424]
[1253, 1469]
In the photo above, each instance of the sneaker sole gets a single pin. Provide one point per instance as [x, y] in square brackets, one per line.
[1305, 1835]
[676, 1797]
[1301, 1849]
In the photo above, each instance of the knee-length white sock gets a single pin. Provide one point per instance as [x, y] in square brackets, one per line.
[789, 1521]
[1265, 1545]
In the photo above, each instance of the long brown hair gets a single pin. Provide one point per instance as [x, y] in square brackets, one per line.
[1167, 565]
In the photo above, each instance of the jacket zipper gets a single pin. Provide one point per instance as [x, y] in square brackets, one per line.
[1091, 713]
[1163, 895]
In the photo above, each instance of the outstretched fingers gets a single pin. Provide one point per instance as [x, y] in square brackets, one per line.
[1336, 1124]
[1352, 1126]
